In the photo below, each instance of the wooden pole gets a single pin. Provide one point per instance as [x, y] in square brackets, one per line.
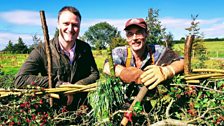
[187, 54]
[48, 51]
[138, 98]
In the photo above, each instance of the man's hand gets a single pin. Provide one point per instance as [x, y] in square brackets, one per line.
[69, 96]
[153, 75]
[131, 74]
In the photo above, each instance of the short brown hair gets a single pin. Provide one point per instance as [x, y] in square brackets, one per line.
[71, 9]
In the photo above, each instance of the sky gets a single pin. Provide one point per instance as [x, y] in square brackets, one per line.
[21, 18]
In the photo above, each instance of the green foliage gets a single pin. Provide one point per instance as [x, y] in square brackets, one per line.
[6, 80]
[36, 41]
[19, 47]
[56, 34]
[107, 98]
[197, 46]
[100, 35]
[199, 104]
[137, 107]
[118, 41]
[28, 108]
[9, 47]
[25, 110]
[157, 33]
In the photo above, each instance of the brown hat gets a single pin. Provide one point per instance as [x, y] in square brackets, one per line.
[136, 21]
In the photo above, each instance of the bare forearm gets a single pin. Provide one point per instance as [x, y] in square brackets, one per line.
[118, 69]
[178, 66]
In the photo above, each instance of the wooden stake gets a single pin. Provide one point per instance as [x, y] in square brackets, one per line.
[138, 98]
[48, 52]
[187, 54]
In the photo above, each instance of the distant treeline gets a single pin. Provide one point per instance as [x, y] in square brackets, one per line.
[182, 40]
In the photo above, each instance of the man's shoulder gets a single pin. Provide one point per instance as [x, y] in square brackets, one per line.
[156, 47]
[120, 48]
[82, 43]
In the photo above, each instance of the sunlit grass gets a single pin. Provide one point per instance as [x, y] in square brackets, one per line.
[11, 63]
[214, 49]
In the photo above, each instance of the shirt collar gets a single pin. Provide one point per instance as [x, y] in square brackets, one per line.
[71, 50]
[70, 53]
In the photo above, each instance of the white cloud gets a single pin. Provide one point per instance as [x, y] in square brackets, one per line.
[211, 28]
[211, 21]
[217, 30]
[175, 22]
[5, 37]
[118, 23]
[14, 37]
[21, 17]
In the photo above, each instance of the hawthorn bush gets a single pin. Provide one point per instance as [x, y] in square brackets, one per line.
[20, 110]
[31, 109]
[197, 104]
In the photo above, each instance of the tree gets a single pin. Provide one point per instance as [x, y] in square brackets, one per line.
[157, 33]
[182, 39]
[100, 35]
[168, 40]
[20, 47]
[9, 47]
[36, 40]
[118, 41]
[56, 33]
[198, 47]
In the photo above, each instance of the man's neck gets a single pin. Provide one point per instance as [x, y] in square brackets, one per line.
[66, 45]
[139, 55]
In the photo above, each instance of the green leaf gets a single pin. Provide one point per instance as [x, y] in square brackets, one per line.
[197, 105]
[137, 107]
[220, 83]
[208, 93]
[205, 100]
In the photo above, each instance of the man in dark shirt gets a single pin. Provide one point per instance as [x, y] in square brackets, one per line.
[72, 59]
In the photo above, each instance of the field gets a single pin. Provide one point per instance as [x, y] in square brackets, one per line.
[214, 49]
[10, 63]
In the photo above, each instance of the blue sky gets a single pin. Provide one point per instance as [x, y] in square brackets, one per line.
[20, 18]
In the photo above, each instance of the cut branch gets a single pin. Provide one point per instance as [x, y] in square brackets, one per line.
[187, 54]
[48, 51]
[170, 122]
[195, 77]
[208, 70]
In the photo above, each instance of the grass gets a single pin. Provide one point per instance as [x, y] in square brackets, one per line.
[11, 63]
[214, 49]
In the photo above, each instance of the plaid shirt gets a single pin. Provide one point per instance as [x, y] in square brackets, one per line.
[120, 55]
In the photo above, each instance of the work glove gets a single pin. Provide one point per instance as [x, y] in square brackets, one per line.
[153, 75]
[131, 74]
